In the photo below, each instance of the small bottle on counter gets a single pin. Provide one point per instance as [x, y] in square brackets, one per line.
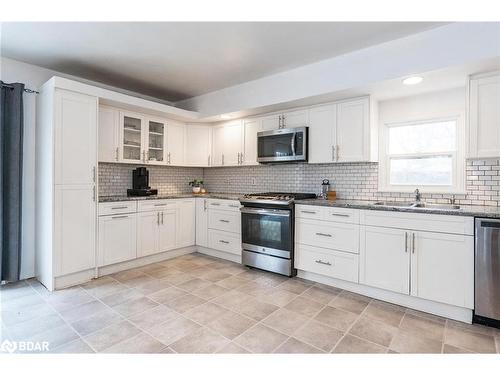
[325, 187]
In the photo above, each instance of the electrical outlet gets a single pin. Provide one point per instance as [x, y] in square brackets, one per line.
[253, 181]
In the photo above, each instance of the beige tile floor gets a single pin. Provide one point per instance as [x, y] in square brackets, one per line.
[199, 304]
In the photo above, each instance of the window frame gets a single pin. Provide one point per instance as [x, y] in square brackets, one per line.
[458, 158]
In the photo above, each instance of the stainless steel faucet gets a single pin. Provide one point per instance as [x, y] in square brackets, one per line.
[418, 196]
[452, 199]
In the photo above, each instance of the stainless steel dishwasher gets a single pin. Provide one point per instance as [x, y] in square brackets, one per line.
[487, 272]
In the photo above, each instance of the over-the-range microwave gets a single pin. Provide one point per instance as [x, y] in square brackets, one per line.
[282, 145]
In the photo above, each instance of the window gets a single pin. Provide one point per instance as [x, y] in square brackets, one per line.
[422, 155]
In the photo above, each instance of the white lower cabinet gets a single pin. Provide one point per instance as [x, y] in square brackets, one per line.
[385, 262]
[202, 222]
[224, 241]
[117, 239]
[168, 230]
[186, 223]
[148, 238]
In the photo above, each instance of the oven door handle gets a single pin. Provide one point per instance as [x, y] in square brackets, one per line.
[266, 212]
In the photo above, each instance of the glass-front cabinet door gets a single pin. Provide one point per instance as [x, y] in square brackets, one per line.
[155, 141]
[132, 138]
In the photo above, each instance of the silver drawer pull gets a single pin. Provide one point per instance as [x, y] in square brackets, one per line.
[224, 221]
[222, 241]
[160, 204]
[214, 204]
[119, 207]
[341, 215]
[234, 206]
[325, 263]
[323, 234]
[119, 217]
[308, 212]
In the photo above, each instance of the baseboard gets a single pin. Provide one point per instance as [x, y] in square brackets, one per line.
[61, 282]
[143, 261]
[219, 254]
[448, 311]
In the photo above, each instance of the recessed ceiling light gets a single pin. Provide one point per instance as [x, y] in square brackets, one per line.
[412, 80]
[225, 117]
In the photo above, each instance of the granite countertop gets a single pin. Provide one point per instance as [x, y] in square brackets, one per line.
[464, 210]
[121, 198]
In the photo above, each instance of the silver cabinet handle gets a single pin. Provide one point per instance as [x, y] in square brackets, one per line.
[168, 158]
[324, 263]
[413, 242]
[239, 158]
[337, 149]
[341, 215]
[160, 204]
[93, 173]
[333, 153]
[162, 217]
[308, 212]
[93, 193]
[242, 158]
[279, 122]
[119, 217]
[204, 204]
[215, 204]
[117, 153]
[222, 241]
[406, 242]
[157, 218]
[323, 234]
[119, 207]
[282, 121]
[234, 206]
[224, 221]
[222, 159]
[208, 160]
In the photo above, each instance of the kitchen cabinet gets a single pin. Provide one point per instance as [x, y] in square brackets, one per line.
[227, 143]
[168, 230]
[202, 222]
[132, 137]
[198, 145]
[249, 154]
[270, 122]
[109, 134]
[154, 141]
[223, 223]
[117, 238]
[186, 223]
[290, 119]
[148, 237]
[484, 116]
[175, 143]
[342, 132]
[385, 261]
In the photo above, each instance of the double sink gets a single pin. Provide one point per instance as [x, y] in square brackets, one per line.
[419, 205]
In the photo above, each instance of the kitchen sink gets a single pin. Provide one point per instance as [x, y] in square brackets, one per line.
[422, 205]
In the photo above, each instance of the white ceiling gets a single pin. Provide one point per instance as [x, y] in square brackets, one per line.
[174, 61]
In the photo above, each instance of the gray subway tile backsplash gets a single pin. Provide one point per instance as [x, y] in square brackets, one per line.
[350, 180]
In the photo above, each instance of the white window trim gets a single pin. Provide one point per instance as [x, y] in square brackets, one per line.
[458, 182]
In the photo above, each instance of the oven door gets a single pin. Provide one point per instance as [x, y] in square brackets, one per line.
[282, 145]
[267, 231]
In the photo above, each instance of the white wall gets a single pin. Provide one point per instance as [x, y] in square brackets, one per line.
[33, 77]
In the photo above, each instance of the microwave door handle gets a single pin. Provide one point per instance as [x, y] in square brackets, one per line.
[292, 143]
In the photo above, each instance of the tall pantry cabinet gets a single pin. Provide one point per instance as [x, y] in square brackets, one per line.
[66, 191]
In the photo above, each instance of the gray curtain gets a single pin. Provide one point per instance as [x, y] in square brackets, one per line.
[11, 175]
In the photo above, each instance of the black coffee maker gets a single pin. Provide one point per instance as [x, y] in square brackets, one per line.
[140, 183]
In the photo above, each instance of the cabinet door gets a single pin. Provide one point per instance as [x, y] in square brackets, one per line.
[168, 230]
[249, 153]
[270, 122]
[232, 143]
[217, 145]
[109, 134]
[74, 228]
[353, 131]
[322, 124]
[485, 117]
[442, 268]
[75, 148]
[148, 233]
[132, 133]
[186, 223]
[117, 239]
[175, 143]
[385, 260]
[295, 119]
[198, 145]
[155, 141]
[201, 222]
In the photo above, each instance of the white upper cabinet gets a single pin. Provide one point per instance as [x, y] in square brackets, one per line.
[75, 148]
[155, 141]
[175, 143]
[227, 143]
[249, 154]
[132, 127]
[484, 116]
[290, 119]
[198, 145]
[109, 134]
[322, 132]
[270, 122]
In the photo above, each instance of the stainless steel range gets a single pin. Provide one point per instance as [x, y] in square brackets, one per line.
[267, 231]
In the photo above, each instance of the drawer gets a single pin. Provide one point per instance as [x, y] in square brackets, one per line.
[310, 212]
[224, 204]
[342, 215]
[156, 205]
[224, 220]
[330, 263]
[113, 208]
[224, 241]
[419, 221]
[330, 235]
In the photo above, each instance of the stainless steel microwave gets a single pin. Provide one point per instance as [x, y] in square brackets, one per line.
[282, 145]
